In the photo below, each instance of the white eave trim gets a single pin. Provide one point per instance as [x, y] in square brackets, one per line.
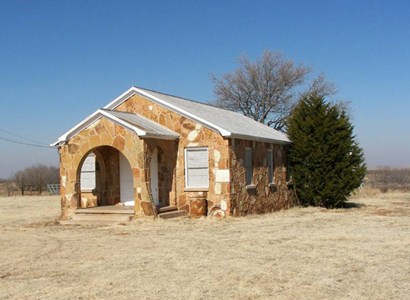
[260, 139]
[113, 104]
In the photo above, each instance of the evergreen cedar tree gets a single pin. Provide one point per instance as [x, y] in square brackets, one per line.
[326, 162]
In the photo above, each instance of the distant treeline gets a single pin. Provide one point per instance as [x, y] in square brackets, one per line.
[32, 179]
[386, 178]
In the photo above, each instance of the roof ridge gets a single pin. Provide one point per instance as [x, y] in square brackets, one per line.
[120, 111]
[183, 98]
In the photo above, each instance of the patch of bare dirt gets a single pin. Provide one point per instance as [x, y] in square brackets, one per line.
[359, 252]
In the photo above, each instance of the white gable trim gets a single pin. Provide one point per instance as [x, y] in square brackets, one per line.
[91, 120]
[134, 90]
[120, 99]
[77, 128]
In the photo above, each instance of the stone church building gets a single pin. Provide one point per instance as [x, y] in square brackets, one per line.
[152, 152]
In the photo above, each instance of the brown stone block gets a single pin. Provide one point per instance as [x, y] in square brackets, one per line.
[162, 119]
[99, 128]
[210, 204]
[140, 160]
[106, 139]
[147, 208]
[72, 175]
[198, 207]
[177, 127]
[95, 141]
[182, 200]
[73, 202]
[76, 139]
[119, 143]
[199, 137]
[119, 130]
[72, 148]
[185, 208]
[225, 163]
[129, 144]
[136, 173]
[188, 125]
[84, 133]
[84, 148]
[144, 193]
[181, 120]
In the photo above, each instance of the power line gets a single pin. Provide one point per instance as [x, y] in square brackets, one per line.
[19, 136]
[24, 143]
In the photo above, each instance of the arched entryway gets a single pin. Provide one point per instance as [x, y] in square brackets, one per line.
[105, 178]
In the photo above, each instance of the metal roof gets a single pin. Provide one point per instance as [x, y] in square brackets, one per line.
[235, 124]
[227, 123]
[151, 128]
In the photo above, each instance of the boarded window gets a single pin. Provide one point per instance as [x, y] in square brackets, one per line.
[196, 168]
[271, 166]
[248, 166]
[88, 173]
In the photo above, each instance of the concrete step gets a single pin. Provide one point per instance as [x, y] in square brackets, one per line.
[120, 210]
[113, 218]
[166, 209]
[89, 222]
[172, 214]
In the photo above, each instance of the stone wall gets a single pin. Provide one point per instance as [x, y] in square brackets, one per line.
[192, 134]
[264, 196]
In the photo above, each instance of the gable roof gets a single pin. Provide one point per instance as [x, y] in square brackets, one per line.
[142, 126]
[227, 123]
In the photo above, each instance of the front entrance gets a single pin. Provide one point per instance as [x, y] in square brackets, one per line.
[154, 177]
[126, 182]
[105, 178]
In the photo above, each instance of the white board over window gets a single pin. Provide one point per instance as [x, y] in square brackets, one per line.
[87, 177]
[196, 168]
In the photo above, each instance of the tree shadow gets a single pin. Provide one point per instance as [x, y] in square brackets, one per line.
[350, 205]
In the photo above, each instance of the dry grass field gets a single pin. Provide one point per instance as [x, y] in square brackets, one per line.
[303, 253]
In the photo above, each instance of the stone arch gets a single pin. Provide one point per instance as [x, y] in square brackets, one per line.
[107, 190]
[103, 133]
[79, 159]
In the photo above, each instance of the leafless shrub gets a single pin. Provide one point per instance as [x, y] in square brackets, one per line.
[386, 178]
[384, 189]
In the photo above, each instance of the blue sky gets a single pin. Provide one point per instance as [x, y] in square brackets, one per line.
[62, 60]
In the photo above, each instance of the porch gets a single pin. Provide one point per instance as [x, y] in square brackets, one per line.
[117, 214]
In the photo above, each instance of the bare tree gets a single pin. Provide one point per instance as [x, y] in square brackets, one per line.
[320, 87]
[53, 175]
[21, 180]
[268, 89]
[37, 176]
